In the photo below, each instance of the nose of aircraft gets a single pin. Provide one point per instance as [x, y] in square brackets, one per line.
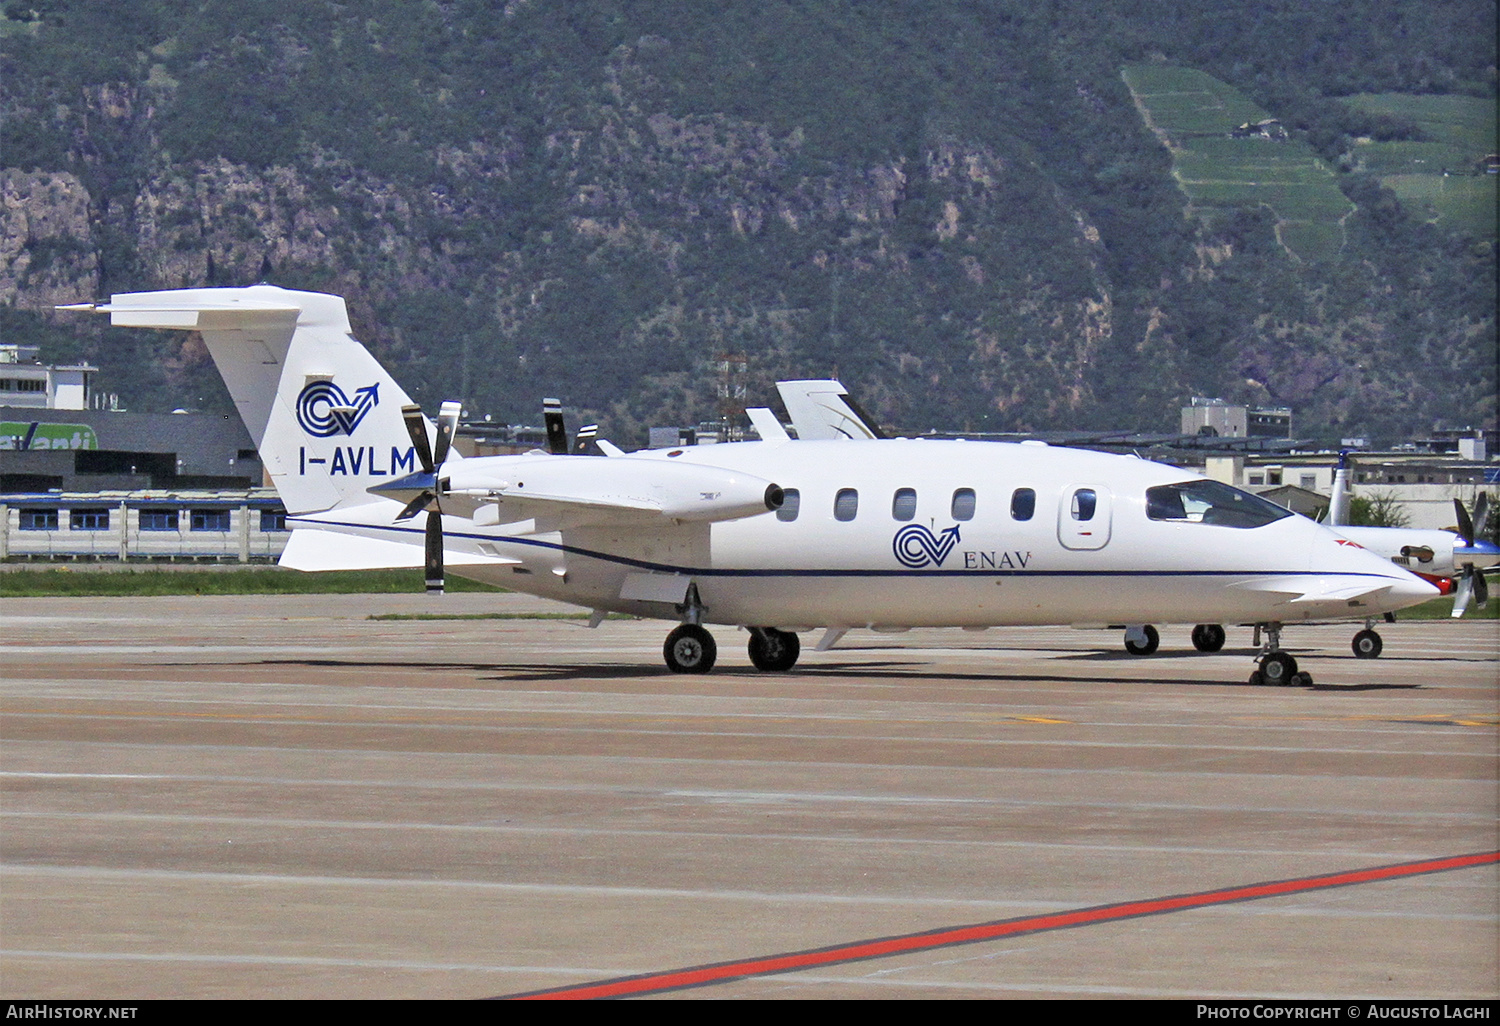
[1407, 589]
[1391, 587]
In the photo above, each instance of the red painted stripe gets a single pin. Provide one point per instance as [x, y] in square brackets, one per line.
[878, 948]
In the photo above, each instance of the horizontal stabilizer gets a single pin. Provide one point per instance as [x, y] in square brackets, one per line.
[147, 310]
[310, 549]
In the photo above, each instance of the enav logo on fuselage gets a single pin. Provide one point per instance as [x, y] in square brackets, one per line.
[915, 546]
[323, 410]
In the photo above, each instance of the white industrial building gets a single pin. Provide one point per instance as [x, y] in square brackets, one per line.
[144, 526]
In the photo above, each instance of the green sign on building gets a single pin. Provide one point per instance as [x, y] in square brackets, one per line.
[36, 435]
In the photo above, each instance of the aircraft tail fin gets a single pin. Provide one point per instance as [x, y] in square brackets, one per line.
[325, 416]
[825, 409]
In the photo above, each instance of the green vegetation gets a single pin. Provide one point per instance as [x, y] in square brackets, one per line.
[1377, 510]
[1442, 609]
[1461, 204]
[1440, 177]
[267, 581]
[1197, 115]
[954, 206]
[1464, 123]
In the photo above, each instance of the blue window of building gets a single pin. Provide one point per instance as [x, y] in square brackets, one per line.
[93, 518]
[272, 520]
[38, 519]
[158, 520]
[208, 520]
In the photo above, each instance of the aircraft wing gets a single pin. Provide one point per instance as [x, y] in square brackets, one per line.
[566, 491]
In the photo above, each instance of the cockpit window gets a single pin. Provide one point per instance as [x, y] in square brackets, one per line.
[1209, 502]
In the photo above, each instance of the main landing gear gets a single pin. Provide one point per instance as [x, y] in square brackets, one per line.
[1144, 639]
[1275, 666]
[1209, 637]
[691, 649]
[772, 650]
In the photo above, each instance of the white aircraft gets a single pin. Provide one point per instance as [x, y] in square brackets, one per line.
[1453, 561]
[776, 536]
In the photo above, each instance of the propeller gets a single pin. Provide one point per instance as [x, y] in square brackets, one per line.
[431, 459]
[1475, 555]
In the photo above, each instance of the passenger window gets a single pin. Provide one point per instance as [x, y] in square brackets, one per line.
[1022, 504]
[791, 501]
[963, 504]
[1084, 502]
[904, 504]
[846, 504]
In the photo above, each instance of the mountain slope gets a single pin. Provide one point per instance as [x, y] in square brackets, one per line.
[955, 207]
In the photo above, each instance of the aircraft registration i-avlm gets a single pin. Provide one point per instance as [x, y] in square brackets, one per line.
[775, 536]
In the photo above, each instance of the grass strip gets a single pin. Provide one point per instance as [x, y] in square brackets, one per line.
[262, 581]
[580, 615]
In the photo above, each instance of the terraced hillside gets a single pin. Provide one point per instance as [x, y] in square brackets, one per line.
[1440, 176]
[1196, 116]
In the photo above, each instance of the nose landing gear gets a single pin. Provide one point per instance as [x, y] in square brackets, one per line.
[1276, 667]
[1367, 643]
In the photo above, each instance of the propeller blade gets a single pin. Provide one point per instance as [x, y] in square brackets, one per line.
[414, 507]
[1465, 592]
[1481, 589]
[416, 427]
[1481, 514]
[557, 428]
[1465, 525]
[434, 553]
[447, 427]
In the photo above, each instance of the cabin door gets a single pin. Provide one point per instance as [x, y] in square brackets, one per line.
[1083, 517]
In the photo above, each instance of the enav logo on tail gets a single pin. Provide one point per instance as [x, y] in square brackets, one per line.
[916, 546]
[324, 410]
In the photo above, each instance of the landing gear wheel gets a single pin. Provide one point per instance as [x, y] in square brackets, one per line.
[1152, 642]
[1208, 637]
[1367, 645]
[690, 649]
[1301, 680]
[1257, 679]
[1278, 668]
[774, 651]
